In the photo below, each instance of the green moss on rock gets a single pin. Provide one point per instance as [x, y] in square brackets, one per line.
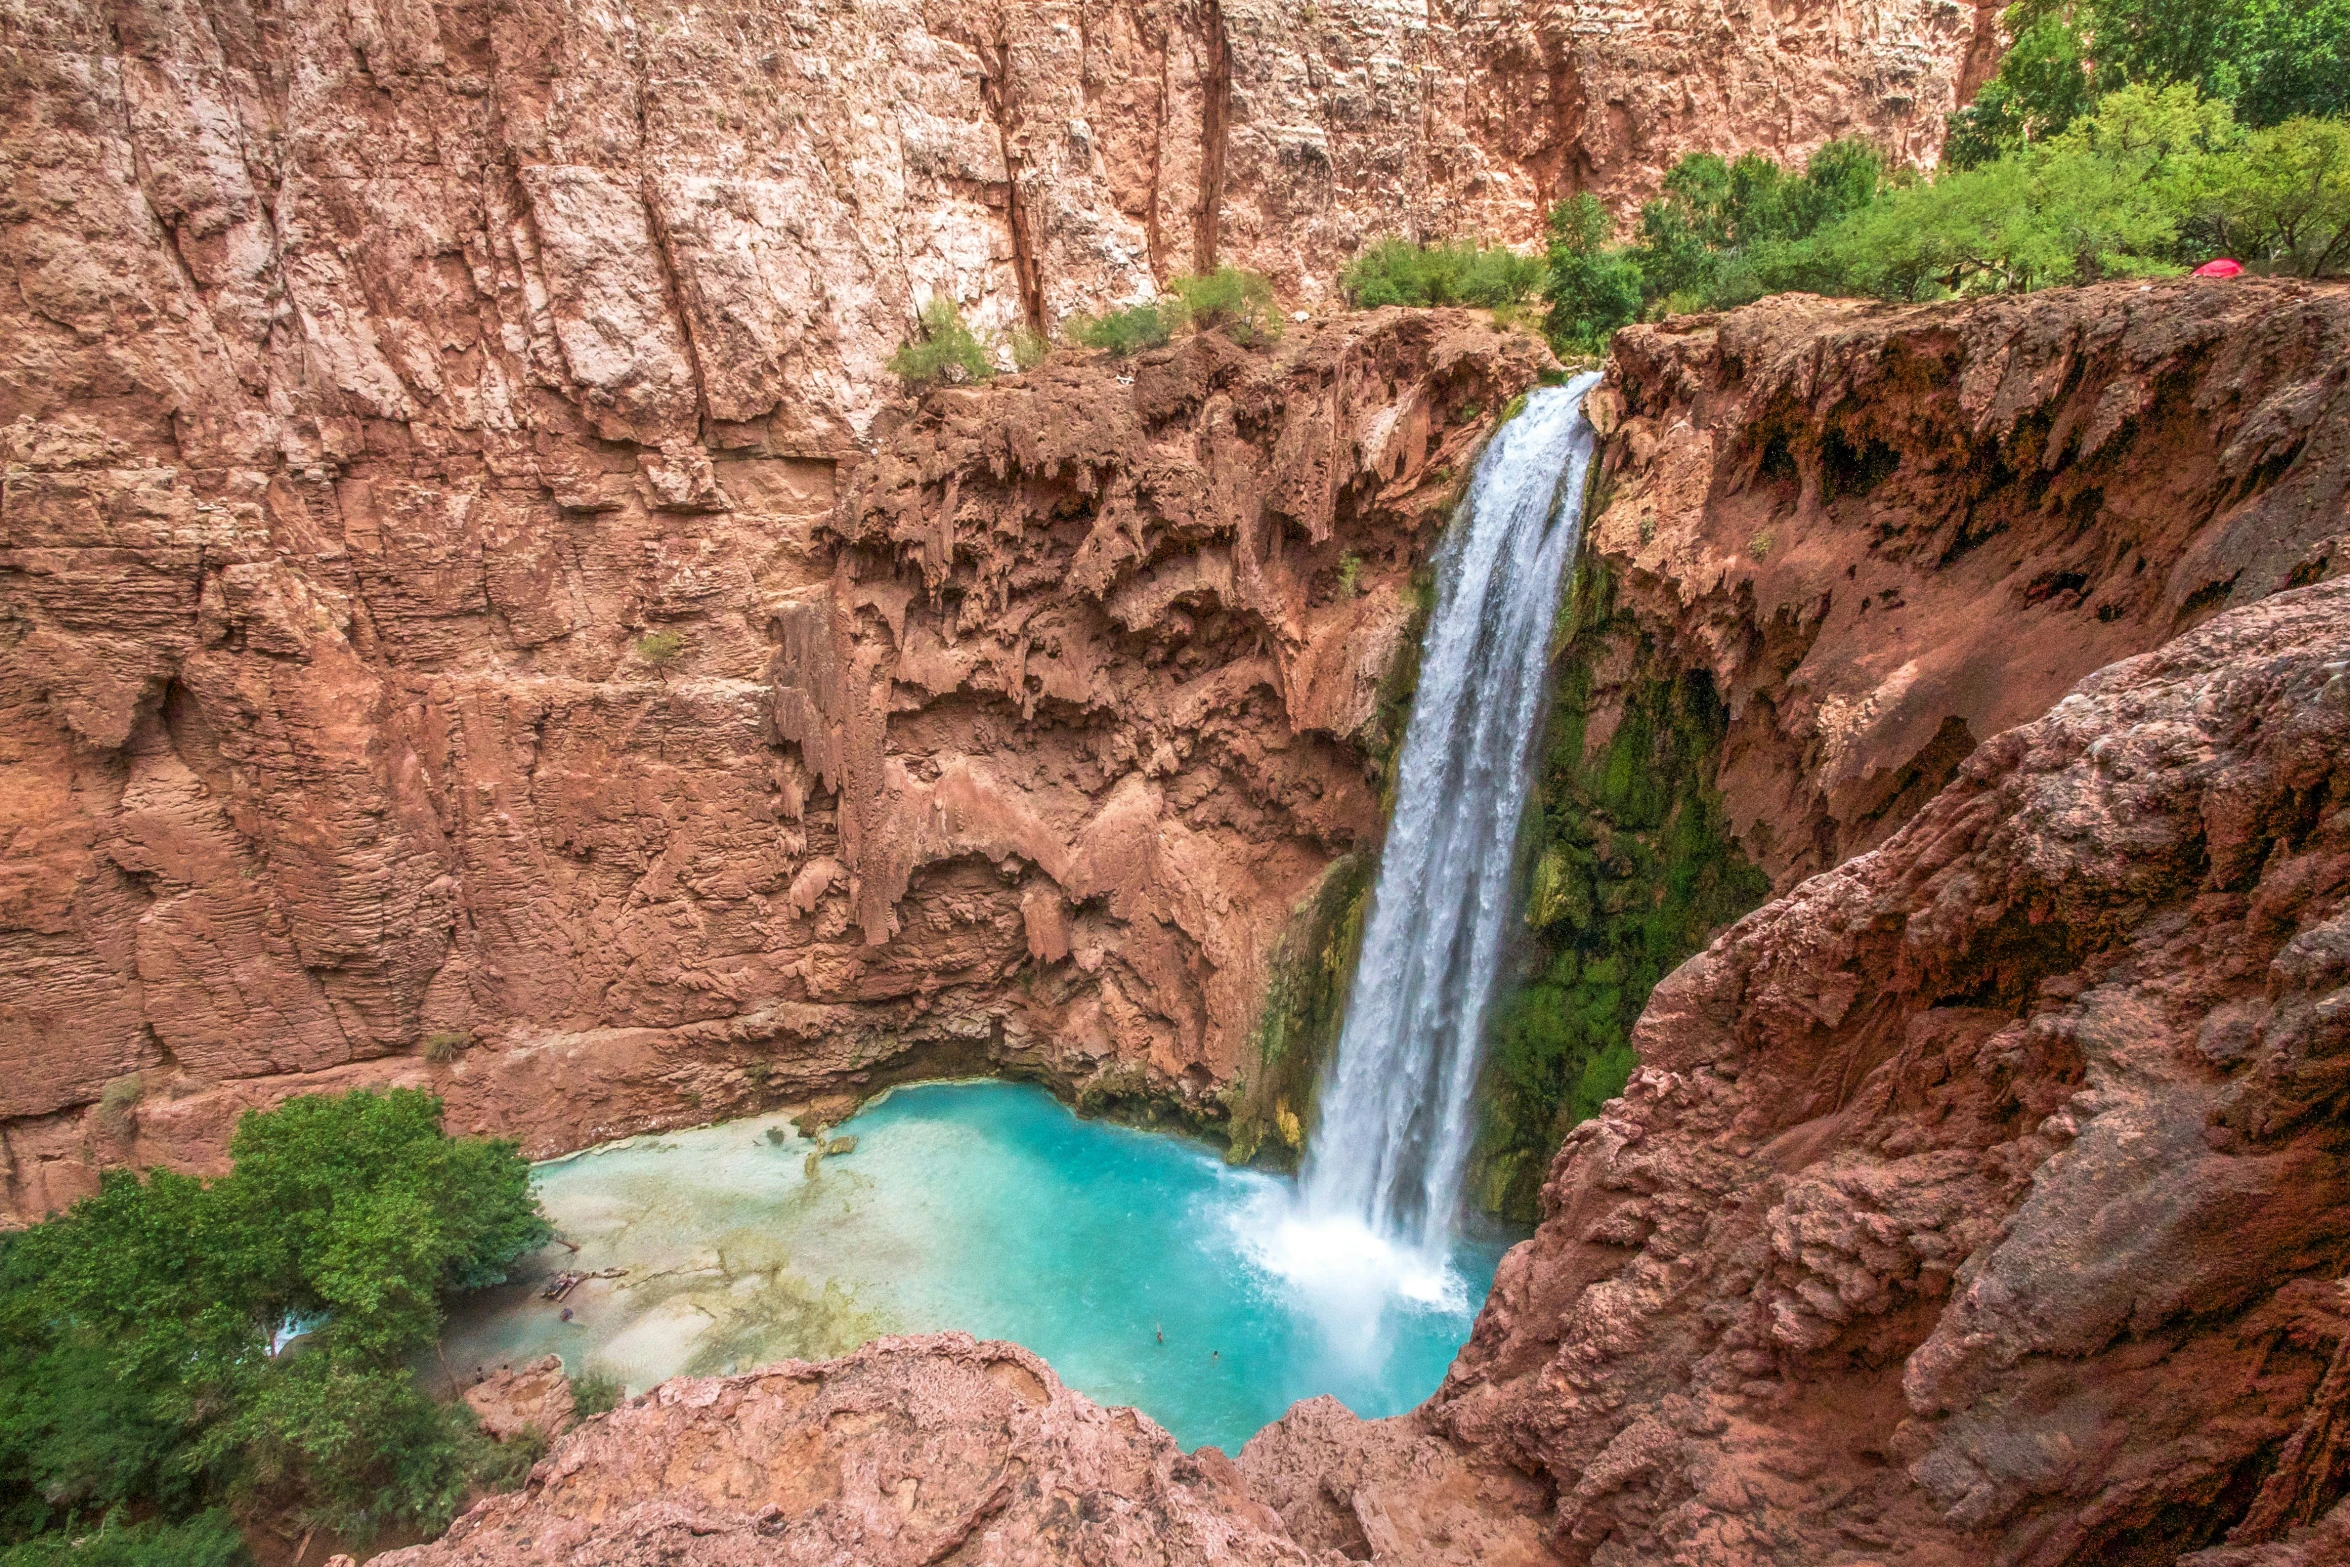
[1630, 868]
[1305, 1001]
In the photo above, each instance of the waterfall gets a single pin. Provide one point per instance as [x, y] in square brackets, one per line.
[1396, 1111]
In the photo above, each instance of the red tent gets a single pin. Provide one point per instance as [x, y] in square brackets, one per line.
[2220, 268]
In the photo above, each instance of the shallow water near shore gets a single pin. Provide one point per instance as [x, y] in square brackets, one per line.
[1141, 1266]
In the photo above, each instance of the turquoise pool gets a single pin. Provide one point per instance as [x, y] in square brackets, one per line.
[1145, 1269]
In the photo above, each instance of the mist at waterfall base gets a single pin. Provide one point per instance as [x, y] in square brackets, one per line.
[988, 1207]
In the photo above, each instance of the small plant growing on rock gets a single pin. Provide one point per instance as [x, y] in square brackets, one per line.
[1761, 544]
[1350, 575]
[944, 350]
[1029, 348]
[443, 1044]
[1238, 304]
[1129, 331]
[756, 1074]
[595, 1392]
[660, 648]
[119, 1098]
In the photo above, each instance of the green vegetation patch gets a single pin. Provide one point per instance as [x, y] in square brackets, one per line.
[1229, 300]
[1239, 304]
[1152, 324]
[944, 350]
[210, 1539]
[1297, 1030]
[2269, 61]
[143, 1367]
[1631, 869]
[2119, 138]
[1392, 271]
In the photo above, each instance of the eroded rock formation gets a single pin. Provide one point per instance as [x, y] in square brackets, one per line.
[1885, 534]
[1984, 1198]
[424, 428]
[1017, 751]
[911, 1451]
[1836, 545]
[709, 224]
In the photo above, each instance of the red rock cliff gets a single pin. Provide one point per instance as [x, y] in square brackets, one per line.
[1886, 534]
[429, 618]
[1016, 751]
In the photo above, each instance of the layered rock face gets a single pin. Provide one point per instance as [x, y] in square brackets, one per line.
[1884, 534]
[1014, 753]
[1836, 544]
[710, 225]
[427, 615]
[1985, 1198]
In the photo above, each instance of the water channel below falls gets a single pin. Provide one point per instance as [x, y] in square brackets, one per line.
[992, 1208]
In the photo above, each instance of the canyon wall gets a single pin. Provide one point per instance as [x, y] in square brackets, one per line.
[1884, 534]
[453, 555]
[1835, 545]
[1013, 754]
[1985, 1198]
[1982, 1199]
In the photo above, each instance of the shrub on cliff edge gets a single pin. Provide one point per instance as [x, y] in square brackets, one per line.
[1151, 324]
[944, 349]
[1392, 271]
[1239, 304]
[1592, 290]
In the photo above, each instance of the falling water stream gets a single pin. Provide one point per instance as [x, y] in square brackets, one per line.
[1393, 1139]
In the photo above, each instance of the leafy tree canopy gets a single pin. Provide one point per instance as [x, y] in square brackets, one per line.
[143, 1352]
[2268, 60]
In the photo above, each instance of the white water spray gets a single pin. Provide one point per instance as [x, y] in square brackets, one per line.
[1393, 1139]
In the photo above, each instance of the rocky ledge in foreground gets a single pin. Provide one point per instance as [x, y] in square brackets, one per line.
[911, 1451]
[1986, 1199]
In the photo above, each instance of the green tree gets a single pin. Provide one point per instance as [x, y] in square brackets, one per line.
[1592, 290]
[2282, 196]
[1723, 234]
[1391, 271]
[2270, 60]
[142, 1353]
[2110, 196]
